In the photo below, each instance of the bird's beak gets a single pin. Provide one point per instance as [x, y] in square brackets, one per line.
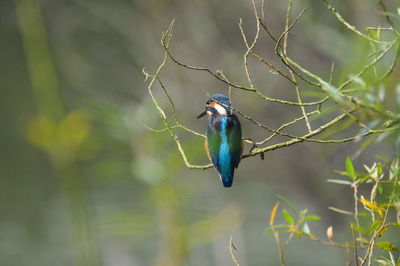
[202, 114]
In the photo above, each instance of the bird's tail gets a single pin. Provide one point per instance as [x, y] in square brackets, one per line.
[227, 178]
[226, 171]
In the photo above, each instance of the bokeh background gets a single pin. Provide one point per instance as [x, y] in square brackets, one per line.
[83, 182]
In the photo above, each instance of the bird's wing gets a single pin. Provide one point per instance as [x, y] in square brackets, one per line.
[235, 140]
[213, 145]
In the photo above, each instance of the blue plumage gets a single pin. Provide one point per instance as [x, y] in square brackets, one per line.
[224, 137]
[225, 160]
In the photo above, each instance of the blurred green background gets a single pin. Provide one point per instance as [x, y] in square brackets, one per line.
[83, 182]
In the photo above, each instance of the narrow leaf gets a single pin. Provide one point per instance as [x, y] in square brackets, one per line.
[288, 217]
[374, 226]
[273, 213]
[312, 218]
[343, 173]
[383, 230]
[362, 240]
[288, 203]
[350, 168]
[339, 181]
[380, 189]
[372, 206]
[394, 169]
[294, 230]
[358, 228]
[276, 228]
[386, 246]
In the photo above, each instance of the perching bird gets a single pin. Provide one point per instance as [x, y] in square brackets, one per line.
[224, 144]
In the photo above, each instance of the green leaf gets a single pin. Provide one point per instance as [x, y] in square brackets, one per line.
[383, 230]
[364, 145]
[339, 181]
[350, 168]
[380, 168]
[297, 232]
[288, 203]
[386, 246]
[365, 177]
[380, 189]
[269, 230]
[383, 158]
[358, 228]
[374, 226]
[384, 135]
[277, 228]
[362, 240]
[394, 169]
[337, 129]
[288, 217]
[312, 218]
[343, 173]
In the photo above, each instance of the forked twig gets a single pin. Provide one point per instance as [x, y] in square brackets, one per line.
[347, 102]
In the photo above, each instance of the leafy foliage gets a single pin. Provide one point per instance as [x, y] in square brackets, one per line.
[380, 216]
[359, 100]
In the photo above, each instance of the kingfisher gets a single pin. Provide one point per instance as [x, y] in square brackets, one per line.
[224, 145]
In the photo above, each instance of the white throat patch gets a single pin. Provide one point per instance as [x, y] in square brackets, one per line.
[220, 109]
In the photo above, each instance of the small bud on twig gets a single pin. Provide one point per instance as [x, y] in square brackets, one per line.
[329, 233]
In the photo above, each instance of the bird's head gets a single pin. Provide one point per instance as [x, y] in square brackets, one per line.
[217, 104]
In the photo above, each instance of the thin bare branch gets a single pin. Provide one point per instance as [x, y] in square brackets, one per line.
[348, 26]
[165, 40]
[303, 110]
[231, 248]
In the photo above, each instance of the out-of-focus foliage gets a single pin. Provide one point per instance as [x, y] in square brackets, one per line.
[85, 183]
[375, 227]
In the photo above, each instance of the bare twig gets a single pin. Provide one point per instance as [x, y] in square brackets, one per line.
[231, 248]
[345, 101]
[166, 38]
[355, 195]
[289, 9]
[348, 26]
[387, 17]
